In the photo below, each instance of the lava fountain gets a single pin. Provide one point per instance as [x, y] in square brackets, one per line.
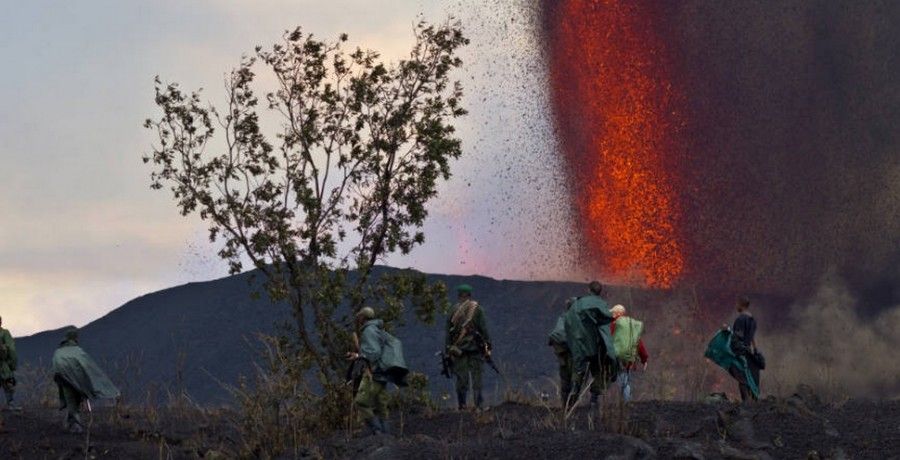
[618, 121]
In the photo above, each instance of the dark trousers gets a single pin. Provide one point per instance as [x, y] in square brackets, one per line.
[465, 367]
[600, 369]
[72, 399]
[565, 374]
[9, 387]
[746, 394]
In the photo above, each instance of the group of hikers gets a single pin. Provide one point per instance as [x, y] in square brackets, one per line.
[77, 377]
[595, 346]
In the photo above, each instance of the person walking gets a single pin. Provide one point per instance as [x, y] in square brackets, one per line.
[743, 344]
[590, 342]
[78, 378]
[630, 349]
[382, 356]
[557, 340]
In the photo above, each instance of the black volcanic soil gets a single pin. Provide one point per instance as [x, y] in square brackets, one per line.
[797, 427]
[125, 433]
[792, 428]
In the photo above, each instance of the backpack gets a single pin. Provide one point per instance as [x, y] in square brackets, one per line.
[392, 363]
[626, 338]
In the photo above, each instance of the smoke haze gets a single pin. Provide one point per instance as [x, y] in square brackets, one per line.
[834, 349]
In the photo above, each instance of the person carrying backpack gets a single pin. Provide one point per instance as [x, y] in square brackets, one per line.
[468, 344]
[382, 357]
[629, 346]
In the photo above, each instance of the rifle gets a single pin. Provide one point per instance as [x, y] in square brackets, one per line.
[446, 364]
[486, 352]
[357, 367]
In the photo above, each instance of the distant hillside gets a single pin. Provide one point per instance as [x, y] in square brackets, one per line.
[200, 334]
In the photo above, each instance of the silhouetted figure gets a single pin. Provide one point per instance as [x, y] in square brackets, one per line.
[744, 345]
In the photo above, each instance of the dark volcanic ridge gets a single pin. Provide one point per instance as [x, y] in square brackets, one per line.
[198, 336]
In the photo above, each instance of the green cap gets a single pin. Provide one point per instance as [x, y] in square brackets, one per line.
[72, 334]
[464, 288]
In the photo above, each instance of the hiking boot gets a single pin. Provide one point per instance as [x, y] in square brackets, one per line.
[375, 425]
[594, 407]
[564, 397]
[461, 400]
[11, 405]
[478, 400]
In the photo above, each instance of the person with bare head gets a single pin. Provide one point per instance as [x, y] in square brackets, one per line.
[590, 342]
[626, 332]
[8, 362]
[744, 345]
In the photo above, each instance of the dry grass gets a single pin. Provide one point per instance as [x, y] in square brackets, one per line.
[35, 386]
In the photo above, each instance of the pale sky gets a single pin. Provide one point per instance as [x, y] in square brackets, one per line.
[81, 232]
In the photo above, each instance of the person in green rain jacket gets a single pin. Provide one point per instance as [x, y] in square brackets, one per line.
[8, 362]
[557, 340]
[78, 378]
[382, 354]
[468, 344]
[590, 342]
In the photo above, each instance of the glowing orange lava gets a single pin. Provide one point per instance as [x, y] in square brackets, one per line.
[618, 120]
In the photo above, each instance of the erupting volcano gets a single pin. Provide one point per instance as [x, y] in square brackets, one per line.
[732, 145]
[618, 119]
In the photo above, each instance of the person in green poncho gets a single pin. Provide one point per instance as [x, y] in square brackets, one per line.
[468, 344]
[8, 362]
[590, 342]
[734, 349]
[743, 344]
[557, 340]
[382, 357]
[78, 378]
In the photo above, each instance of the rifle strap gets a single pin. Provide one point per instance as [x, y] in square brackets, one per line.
[462, 318]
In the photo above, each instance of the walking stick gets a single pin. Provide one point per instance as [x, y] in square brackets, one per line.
[585, 387]
[87, 435]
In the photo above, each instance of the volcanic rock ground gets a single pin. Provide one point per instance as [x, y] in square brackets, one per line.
[796, 427]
